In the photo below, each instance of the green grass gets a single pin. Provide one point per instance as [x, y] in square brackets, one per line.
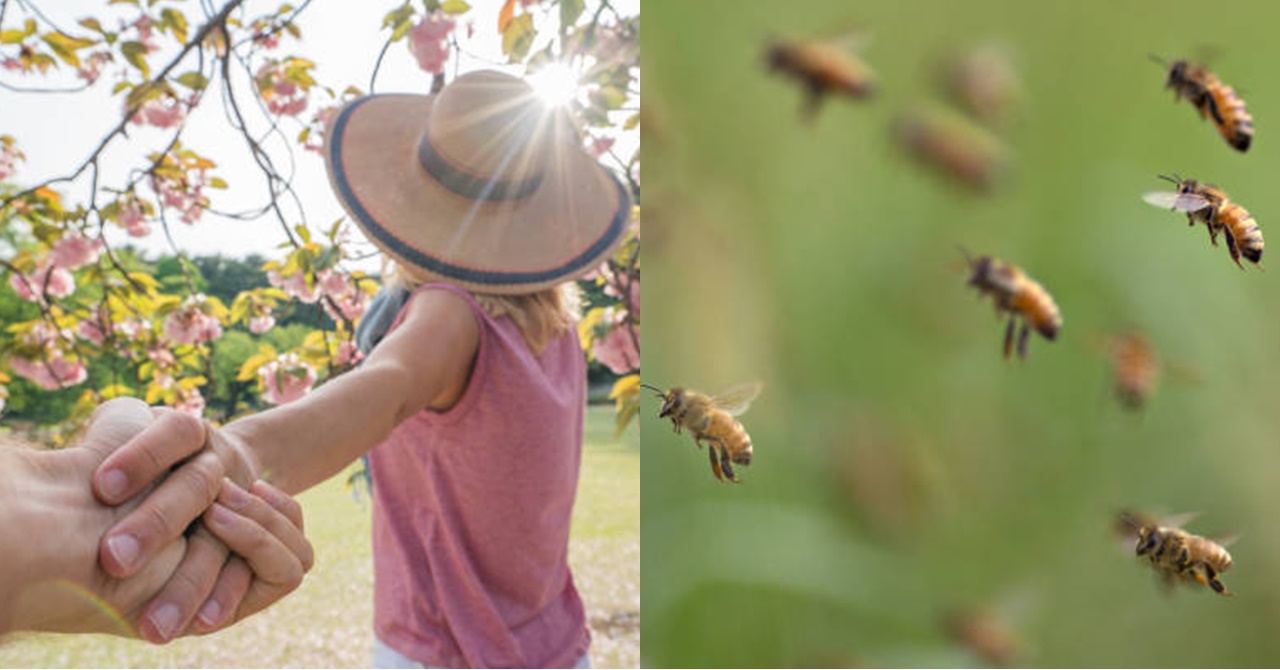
[901, 468]
[328, 621]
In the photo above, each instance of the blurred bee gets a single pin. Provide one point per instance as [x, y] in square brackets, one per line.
[985, 635]
[824, 67]
[710, 418]
[1135, 367]
[955, 146]
[1196, 84]
[1019, 295]
[983, 83]
[1175, 554]
[1209, 205]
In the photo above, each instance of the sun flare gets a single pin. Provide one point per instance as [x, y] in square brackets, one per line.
[556, 84]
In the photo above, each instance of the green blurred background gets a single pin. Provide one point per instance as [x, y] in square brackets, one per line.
[902, 469]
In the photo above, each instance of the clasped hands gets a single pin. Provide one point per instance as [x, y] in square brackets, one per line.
[169, 550]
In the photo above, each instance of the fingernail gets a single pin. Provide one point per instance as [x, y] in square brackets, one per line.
[125, 549]
[221, 515]
[209, 613]
[113, 484]
[234, 496]
[164, 619]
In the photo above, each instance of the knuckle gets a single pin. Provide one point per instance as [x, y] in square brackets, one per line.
[202, 478]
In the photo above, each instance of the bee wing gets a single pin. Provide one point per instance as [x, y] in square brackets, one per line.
[1182, 202]
[1225, 541]
[736, 400]
[1178, 520]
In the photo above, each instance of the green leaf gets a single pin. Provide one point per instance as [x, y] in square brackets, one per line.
[455, 7]
[570, 10]
[136, 53]
[303, 233]
[217, 182]
[632, 122]
[518, 38]
[92, 24]
[177, 22]
[193, 80]
[12, 36]
[397, 16]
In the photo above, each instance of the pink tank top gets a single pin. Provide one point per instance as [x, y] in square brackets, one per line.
[471, 511]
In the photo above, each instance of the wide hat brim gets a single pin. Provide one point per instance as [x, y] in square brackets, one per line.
[563, 230]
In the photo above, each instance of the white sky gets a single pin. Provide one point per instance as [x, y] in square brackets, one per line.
[57, 132]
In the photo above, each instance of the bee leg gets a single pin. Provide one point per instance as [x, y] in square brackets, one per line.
[715, 463]
[725, 464]
[1233, 249]
[1022, 340]
[812, 102]
[1008, 338]
[1211, 577]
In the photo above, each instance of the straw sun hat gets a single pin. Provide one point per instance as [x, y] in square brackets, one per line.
[481, 185]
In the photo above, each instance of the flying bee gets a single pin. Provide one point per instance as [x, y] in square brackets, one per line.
[1217, 101]
[824, 67]
[982, 82]
[1208, 204]
[1135, 367]
[1019, 295]
[1175, 554]
[710, 419]
[954, 146]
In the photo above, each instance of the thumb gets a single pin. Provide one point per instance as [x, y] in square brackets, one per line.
[115, 422]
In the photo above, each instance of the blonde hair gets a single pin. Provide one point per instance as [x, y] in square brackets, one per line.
[541, 316]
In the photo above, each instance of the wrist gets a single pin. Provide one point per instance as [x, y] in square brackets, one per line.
[49, 528]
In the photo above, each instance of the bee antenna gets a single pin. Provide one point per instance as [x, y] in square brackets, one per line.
[1175, 178]
[1161, 61]
[654, 389]
[968, 257]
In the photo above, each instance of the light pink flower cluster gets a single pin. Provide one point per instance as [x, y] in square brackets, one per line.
[315, 139]
[9, 157]
[11, 64]
[286, 379]
[51, 374]
[185, 195]
[347, 353]
[91, 66]
[190, 325]
[265, 35]
[296, 286]
[143, 24]
[133, 219]
[54, 368]
[346, 295]
[617, 351]
[600, 146]
[283, 96]
[75, 251]
[428, 41]
[163, 112]
[189, 401]
[91, 331]
[261, 323]
[48, 279]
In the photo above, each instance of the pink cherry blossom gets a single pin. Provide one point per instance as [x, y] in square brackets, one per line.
[91, 67]
[428, 41]
[9, 157]
[131, 217]
[91, 331]
[284, 97]
[296, 286]
[75, 251]
[346, 296]
[186, 193]
[162, 112]
[11, 64]
[52, 374]
[261, 323]
[286, 379]
[617, 351]
[600, 146]
[49, 280]
[347, 353]
[189, 401]
[190, 325]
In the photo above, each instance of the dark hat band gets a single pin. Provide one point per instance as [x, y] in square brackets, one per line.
[471, 186]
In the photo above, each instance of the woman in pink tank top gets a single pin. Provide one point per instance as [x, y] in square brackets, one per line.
[470, 401]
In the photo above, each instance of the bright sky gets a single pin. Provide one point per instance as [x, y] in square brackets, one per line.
[57, 132]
